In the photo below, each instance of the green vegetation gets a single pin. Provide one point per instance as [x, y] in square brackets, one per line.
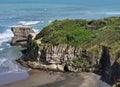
[79, 61]
[82, 33]
[34, 45]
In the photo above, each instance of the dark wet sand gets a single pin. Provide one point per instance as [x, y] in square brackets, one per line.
[12, 77]
[57, 79]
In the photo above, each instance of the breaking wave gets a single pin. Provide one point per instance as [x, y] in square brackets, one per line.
[28, 22]
[5, 36]
[8, 66]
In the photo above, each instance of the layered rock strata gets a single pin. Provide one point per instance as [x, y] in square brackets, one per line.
[59, 58]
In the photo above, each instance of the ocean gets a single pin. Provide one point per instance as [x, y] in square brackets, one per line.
[38, 14]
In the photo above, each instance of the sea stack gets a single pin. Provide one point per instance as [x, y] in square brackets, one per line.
[21, 34]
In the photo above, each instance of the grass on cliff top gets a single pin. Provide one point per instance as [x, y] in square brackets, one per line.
[83, 33]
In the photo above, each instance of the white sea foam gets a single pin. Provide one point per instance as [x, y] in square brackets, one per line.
[8, 66]
[2, 61]
[107, 12]
[28, 22]
[1, 49]
[41, 21]
[36, 30]
[49, 21]
[113, 13]
[5, 36]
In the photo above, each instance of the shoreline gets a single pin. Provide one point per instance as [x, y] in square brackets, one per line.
[12, 77]
[56, 79]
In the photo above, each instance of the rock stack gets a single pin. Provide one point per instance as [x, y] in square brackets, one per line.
[21, 34]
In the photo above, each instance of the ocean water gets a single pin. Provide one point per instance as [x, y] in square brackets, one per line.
[38, 14]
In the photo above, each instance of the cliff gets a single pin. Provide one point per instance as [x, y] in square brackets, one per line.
[76, 45]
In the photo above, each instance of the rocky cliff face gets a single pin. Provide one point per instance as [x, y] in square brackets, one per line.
[20, 35]
[68, 58]
[80, 49]
[115, 68]
[55, 54]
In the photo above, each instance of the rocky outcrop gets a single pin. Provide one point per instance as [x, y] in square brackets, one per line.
[20, 35]
[115, 68]
[37, 65]
[84, 48]
[104, 68]
[54, 54]
[105, 64]
[59, 57]
[69, 58]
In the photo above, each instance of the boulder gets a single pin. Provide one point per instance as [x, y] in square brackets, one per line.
[20, 35]
[60, 67]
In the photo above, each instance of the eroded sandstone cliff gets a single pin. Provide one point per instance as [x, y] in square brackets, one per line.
[70, 45]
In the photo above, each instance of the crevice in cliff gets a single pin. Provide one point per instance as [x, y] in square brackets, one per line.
[105, 65]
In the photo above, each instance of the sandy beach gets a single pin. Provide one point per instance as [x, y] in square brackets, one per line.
[57, 79]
